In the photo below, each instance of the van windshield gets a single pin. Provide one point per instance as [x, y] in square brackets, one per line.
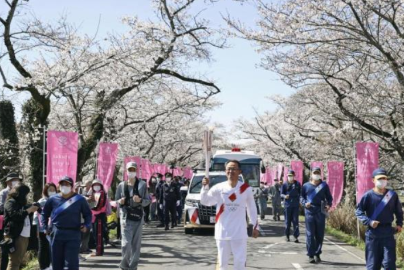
[196, 183]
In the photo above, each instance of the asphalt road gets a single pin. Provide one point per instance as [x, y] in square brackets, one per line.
[174, 250]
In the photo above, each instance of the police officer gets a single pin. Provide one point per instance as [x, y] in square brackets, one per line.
[376, 210]
[169, 200]
[159, 187]
[65, 211]
[317, 199]
[275, 193]
[290, 192]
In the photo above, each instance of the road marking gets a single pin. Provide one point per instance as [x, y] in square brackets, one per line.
[353, 254]
[277, 252]
[297, 266]
[269, 246]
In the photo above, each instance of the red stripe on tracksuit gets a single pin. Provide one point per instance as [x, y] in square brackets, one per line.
[244, 188]
[221, 210]
[194, 217]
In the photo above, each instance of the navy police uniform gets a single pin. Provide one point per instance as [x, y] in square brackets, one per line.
[315, 218]
[291, 207]
[170, 194]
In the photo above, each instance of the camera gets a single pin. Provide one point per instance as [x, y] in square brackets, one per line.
[37, 205]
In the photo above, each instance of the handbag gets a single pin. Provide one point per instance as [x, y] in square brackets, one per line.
[132, 213]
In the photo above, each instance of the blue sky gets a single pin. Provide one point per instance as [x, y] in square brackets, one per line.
[244, 85]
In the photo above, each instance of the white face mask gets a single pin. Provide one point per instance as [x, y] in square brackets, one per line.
[51, 193]
[132, 175]
[97, 188]
[154, 181]
[158, 179]
[316, 177]
[262, 186]
[65, 189]
[168, 179]
[291, 178]
[14, 183]
[381, 183]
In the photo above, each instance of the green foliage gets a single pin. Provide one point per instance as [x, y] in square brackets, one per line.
[9, 152]
[30, 124]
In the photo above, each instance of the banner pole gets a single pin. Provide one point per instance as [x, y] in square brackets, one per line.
[44, 156]
[356, 190]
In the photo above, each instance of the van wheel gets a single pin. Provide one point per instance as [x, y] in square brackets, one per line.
[188, 231]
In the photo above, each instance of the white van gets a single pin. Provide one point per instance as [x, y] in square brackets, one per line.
[204, 215]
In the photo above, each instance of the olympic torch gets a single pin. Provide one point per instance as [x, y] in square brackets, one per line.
[207, 148]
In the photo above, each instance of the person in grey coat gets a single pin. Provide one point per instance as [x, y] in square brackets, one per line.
[262, 197]
[275, 193]
[131, 196]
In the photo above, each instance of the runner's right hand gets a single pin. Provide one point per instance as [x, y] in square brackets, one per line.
[205, 181]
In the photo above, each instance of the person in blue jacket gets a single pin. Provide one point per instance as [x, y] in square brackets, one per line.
[376, 210]
[317, 200]
[290, 192]
[65, 210]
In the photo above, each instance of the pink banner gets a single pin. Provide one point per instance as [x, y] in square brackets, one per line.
[138, 161]
[279, 171]
[61, 159]
[297, 166]
[107, 154]
[268, 176]
[320, 165]
[285, 174]
[188, 172]
[367, 160]
[335, 180]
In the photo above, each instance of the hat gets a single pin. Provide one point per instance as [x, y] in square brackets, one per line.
[131, 164]
[168, 174]
[95, 182]
[66, 179]
[159, 175]
[316, 169]
[12, 176]
[379, 173]
[291, 172]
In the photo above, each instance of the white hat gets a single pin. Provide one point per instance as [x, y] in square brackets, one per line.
[131, 165]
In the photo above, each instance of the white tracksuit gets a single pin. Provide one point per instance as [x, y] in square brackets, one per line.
[231, 224]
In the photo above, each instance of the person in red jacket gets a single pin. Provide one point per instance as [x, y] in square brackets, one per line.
[99, 218]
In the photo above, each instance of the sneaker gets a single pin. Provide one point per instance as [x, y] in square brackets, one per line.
[287, 239]
[317, 259]
[166, 228]
[297, 240]
[82, 259]
[311, 260]
[275, 218]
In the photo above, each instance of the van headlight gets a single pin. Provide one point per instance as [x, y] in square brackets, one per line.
[193, 203]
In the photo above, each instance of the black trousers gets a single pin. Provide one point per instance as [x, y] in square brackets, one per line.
[160, 212]
[170, 207]
[146, 213]
[4, 254]
[44, 251]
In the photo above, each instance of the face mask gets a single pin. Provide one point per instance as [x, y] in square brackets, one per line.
[291, 178]
[381, 183]
[262, 186]
[14, 183]
[65, 189]
[168, 179]
[316, 177]
[97, 188]
[158, 179]
[132, 175]
[51, 193]
[154, 181]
